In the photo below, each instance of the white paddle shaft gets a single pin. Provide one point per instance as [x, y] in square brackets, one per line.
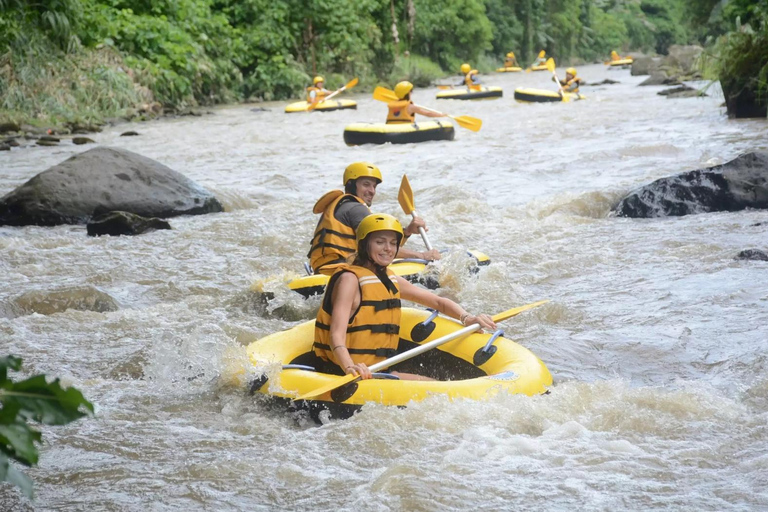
[422, 233]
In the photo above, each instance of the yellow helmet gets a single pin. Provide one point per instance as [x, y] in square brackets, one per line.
[511, 55]
[379, 222]
[571, 71]
[317, 80]
[614, 52]
[361, 170]
[465, 68]
[542, 54]
[402, 89]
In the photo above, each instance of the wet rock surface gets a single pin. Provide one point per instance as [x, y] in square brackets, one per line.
[752, 254]
[102, 180]
[736, 185]
[49, 302]
[124, 223]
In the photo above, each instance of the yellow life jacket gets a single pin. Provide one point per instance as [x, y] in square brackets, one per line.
[575, 80]
[373, 332]
[510, 62]
[333, 241]
[398, 112]
[320, 93]
[468, 80]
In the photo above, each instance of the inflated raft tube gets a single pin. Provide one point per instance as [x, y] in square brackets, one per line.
[621, 62]
[476, 367]
[399, 133]
[542, 67]
[412, 269]
[525, 95]
[463, 94]
[513, 69]
[323, 106]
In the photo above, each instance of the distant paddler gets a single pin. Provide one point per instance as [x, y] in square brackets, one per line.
[334, 238]
[471, 79]
[540, 60]
[571, 82]
[511, 60]
[403, 110]
[317, 91]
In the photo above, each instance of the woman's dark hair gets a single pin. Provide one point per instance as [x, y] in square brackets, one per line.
[361, 258]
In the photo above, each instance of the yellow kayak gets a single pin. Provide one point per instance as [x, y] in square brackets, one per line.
[621, 62]
[323, 106]
[465, 94]
[512, 69]
[527, 95]
[476, 367]
[541, 67]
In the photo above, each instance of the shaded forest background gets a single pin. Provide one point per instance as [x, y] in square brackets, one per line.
[92, 59]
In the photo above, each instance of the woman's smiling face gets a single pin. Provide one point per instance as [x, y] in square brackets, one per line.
[382, 247]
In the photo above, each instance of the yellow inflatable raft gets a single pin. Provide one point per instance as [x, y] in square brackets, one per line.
[464, 94]
[400, 133]
[476, 367]
[323, 106]
[621, 62]
[541, 67]
[526, 95]
[411, 269]
[513, 69]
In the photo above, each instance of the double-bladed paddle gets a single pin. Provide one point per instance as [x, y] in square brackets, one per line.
[349, 85]
[405, 198]
[551, 66]
[461, 333]
[470, 123]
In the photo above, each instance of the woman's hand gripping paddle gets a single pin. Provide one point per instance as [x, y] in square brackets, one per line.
[405, 198]
[461, 333]
[551, 66]
[470, 123]
[349, 85]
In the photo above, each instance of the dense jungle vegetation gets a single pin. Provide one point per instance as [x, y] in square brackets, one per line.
[90, 59]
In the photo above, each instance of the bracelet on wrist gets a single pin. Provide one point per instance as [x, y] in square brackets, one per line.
[463, 318]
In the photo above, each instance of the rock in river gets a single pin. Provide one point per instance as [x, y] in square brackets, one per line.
[736, 185]
[123, 223]
[102, 180]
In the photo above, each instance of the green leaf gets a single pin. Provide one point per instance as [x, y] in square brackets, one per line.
[46, 402]
[17, 440]
[11, 475]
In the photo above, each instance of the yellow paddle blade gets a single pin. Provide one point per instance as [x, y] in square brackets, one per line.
[527, 70]
[405, 196]
[551, 64]
[445, 87]
[335, 383]
[351, 83]
[384, 94]
[470, 123]
[516, 311]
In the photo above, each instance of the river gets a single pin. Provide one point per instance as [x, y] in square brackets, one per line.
[655, 335]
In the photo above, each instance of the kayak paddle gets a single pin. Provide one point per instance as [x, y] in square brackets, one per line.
[349, 85]
[405, 198]
[461, 333]
[551, 67]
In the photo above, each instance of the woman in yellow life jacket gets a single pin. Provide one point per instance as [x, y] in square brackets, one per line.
[359, 321]
[541, 59]
[571, 82]
[510, 61]
[403, 110]
[317, 91]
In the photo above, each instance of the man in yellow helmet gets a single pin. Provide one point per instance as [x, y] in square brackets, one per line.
[317, 91]
[403, 110]
[571, 82]
[471, 80]
[510, 61]
[541, 59]
[334, 238]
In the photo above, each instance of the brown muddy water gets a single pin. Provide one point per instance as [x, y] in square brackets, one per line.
[655, 335]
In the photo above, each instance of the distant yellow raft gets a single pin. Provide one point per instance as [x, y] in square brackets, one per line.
[323, 106]
[464, 368]
[512, 69]
[400, 133]
[526, 95]
[465, 94]
[541, 67]
[621, 62]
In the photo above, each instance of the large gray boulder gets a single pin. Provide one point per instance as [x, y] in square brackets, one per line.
[736, 185]
[101, 180]
[644, 65]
